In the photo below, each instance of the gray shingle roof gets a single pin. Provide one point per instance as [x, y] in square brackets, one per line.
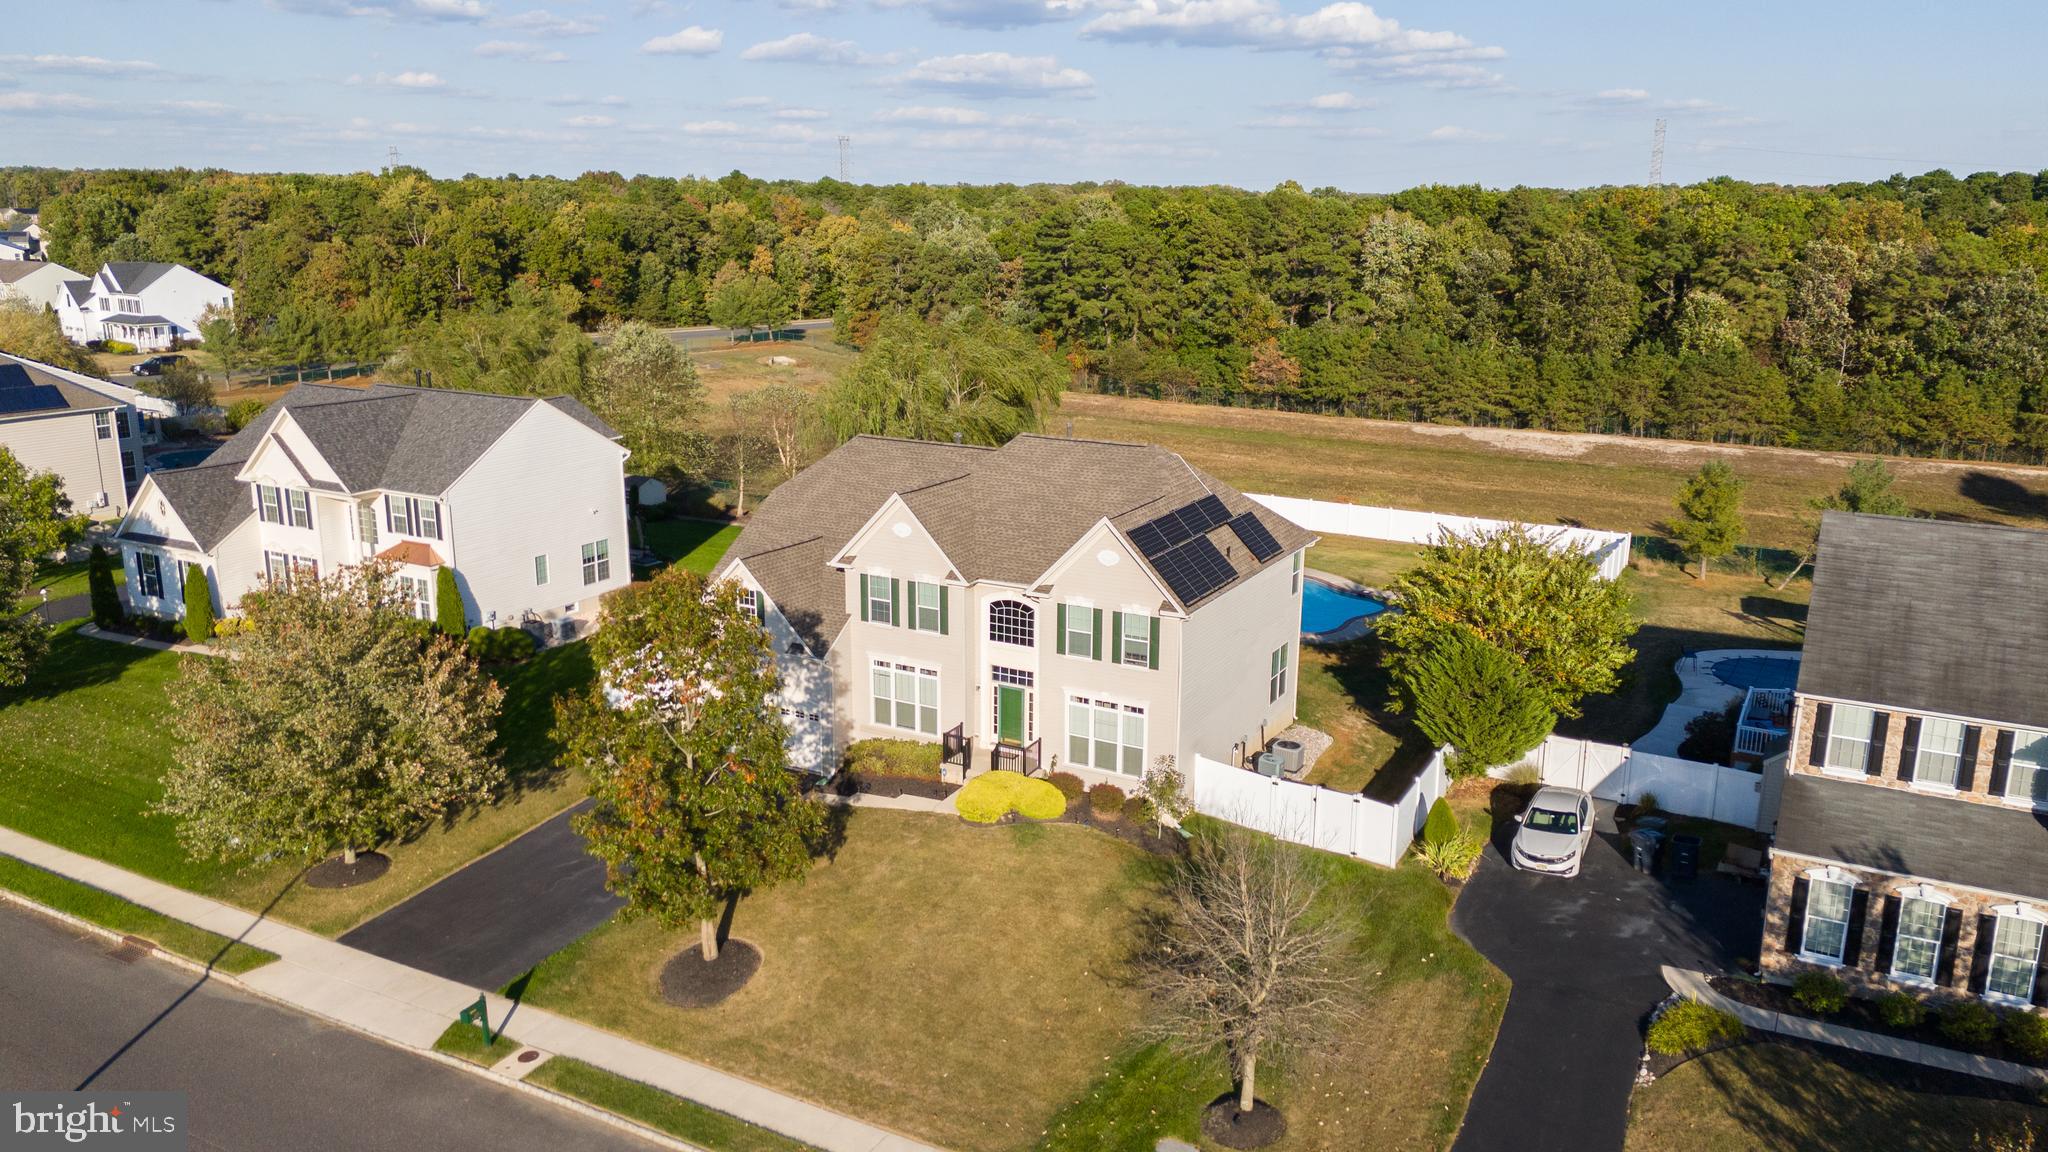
[1062, 487]
[135, 275]
[1932, 616]
[1942, 839]
[18, 373]
[13, 270]
[208, 498]
[132, 318]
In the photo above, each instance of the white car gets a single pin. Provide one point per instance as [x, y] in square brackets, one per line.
[1555, 829]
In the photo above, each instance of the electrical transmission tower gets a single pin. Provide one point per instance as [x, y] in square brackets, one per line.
[846, 159]
[1657, 154]
[391, 157]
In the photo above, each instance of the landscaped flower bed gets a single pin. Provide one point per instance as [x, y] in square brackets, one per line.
[893, 768]
[1867, 1014]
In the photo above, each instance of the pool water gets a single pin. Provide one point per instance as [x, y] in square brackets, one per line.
[1326, 609]
[1758, 672]
[184, 458]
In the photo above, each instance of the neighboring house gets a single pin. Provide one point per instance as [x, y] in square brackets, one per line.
[90, 433]
[1912, 839]
[37, 281]
[645, 491]
[1070, 602]
[147, 305]
[19, 246]
[523, 498]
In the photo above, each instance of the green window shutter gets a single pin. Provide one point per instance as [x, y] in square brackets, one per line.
[895, 602]
[863, 596]
[1097, 637]
[1152, 653]
[911, 623]
[1063, 629]
[945, 622]
[1116, 637]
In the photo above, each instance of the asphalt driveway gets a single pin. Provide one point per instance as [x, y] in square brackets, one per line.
[1584, 956]
[490, 922]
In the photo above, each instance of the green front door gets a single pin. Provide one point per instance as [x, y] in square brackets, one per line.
[1009, 714]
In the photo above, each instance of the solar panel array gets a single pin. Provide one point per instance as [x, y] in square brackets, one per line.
[1194, 569]
[20, 393]
[1263, 546]
[1179, 526]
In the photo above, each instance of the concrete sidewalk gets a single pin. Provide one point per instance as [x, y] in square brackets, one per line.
[412, 1008]
[1694, 986]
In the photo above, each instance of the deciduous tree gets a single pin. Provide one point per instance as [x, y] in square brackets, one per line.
[1709, 522]
[1867, 489]
[644, 385]
[967, 377]
[35, 522]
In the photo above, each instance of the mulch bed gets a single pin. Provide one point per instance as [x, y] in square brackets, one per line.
[688, 982]
[1223, 1123]
[332, 873]
[849, 783]
[1860, 1014]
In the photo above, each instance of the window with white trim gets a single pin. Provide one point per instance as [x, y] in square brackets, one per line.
[2027, 772]
[2015, 952]
[103, 425]
[299, 508]
[1941, 752]
[1080, 630]
[1105, 736]
[149, 574]
[881, 604]
[924, 606]
[1827, 919]
[366, 524]
[1849, 738]
[414, 596]
[1918, 946]
[1276, 677]
[750, 602]
[1011, 622]
[412, 516]
[540, 570]
[1135, 632]
[281, 568]
[597, 561]
[1294, 585]
[905, 697]
[270, 504]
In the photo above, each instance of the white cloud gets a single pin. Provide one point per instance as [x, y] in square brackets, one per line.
[802, 114]
[588, 121]
[1452, 69]
[1452, 134]
[691, 41]
[47, 102]
[1338, 102]
[984, 74]
[927, 114]
[80, 65]
[1620, 96]
[811, 48]
[571, 100]
[428, 11]
[542, 22]
[989, 14]
[520, 50]
[808, 5]
[711, 128]
[1263, 24]
[748, 102]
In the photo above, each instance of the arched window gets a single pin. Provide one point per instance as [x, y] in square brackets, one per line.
[1010, 622]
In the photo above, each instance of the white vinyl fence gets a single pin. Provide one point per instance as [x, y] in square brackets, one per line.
[1341, 822]
[1609, 550]
[1621, 774]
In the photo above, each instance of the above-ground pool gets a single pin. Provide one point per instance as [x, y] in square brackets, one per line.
[1780, 672]
[1326, 609]
[182, 458]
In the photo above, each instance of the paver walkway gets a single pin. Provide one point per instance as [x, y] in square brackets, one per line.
[1693, 985]
[98, 633]
[409, 1007]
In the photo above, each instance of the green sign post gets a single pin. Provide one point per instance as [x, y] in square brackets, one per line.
[479, 1014]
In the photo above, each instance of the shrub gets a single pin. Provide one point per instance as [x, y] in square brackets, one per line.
[1968, 1023]
[883, 757]
[1140, 811]
[1690, 1026]
[1107, 801]
[1525, 776]
[1071, 786]
[1710, 736]
[1646, 803]
[1901, 1010]
[243, 413]
[448, 615]
[198, 605]
[1820, 993]
[2025, 1033]
[1473, 696]
[117, 347]
[1452, 858]
[99, 579]
[993, 795]
[1442, 823]
[499, 645]
[228, 626]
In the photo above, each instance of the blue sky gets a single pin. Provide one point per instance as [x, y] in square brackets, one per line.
[1246, 92]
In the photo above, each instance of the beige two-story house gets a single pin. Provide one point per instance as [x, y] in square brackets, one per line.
[1051, 603]
[89, 433]
[523, 498]
[1912, 839]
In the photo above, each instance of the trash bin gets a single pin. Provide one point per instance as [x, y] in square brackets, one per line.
[1684, 864]
[1643, 844]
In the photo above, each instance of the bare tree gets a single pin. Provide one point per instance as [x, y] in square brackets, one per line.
[781, 414]
[1243, 964]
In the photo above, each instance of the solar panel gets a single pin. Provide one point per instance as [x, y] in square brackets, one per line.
[1212, 511]
[1172, 530]
[1255, 537]
[1179, 526]
[1149, 540]
[33, 398]
[1194, 569]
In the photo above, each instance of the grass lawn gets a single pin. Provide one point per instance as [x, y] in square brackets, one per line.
[62, 580]
[107, 700]
[686, 1120]
[967, 985]
[1777, 1096]
[112, 912]
[694, 544]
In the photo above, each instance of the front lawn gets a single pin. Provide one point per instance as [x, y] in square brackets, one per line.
[84, 747]
[118, 915]
[694, 544]
[969, 986]
[61, 580]
[1781, 1096]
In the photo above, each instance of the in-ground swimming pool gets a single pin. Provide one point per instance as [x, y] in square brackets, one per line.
[183, 458]
[1758, 671]
[1326, 609]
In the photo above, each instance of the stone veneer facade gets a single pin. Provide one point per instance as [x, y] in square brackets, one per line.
[1800, 755]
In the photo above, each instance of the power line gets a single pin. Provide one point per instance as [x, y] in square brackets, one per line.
[1657, 154]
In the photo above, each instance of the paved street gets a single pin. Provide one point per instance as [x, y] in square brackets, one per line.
[488, 923]
[260, 1077]
[1584, 956]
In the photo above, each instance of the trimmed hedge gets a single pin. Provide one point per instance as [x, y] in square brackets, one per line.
[2025, 1033]
[918, 759]
[1901, 1010]
[500, 645]
[1442, 823]
[198, 605]
[993, 795]
[1690, 1026]
[1070, 785]
[1968, 1023]
[448, 615]
[1820, 992]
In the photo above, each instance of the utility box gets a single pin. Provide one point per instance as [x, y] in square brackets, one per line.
[1271, 764]
[1289, 752]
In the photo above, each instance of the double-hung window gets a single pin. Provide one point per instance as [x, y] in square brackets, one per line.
[366, 524]
[1134, 639]
[128, 469]
[413, 596]
[2015, 951]
[540, 570]
[597, 561]
[1077, 623]
[1849, 738]
[1827, 919]
[2027, 771]
[906, 697]
[281, 568]
[1106, 736]
[149, 574]
[1276, 676]
[878, 599]
[412, 516]
[1918, 946]
[103, 425]
[270, 504]
[1941, 752]
[299, 508]
[1294, 584]
[925, 612]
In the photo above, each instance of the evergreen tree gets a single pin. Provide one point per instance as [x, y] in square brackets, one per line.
[1868, 489]
[99, 581]
[1472, 696]
[449, 618]
[1709, 523]
[198, 605]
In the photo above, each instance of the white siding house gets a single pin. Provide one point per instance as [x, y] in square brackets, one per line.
[145, 304]
[38, 282]
[88, 432]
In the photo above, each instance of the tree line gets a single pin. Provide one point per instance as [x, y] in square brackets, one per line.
[1908, 314]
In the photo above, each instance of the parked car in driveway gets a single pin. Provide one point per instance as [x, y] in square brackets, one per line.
[154, 366]
[1555, 829]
